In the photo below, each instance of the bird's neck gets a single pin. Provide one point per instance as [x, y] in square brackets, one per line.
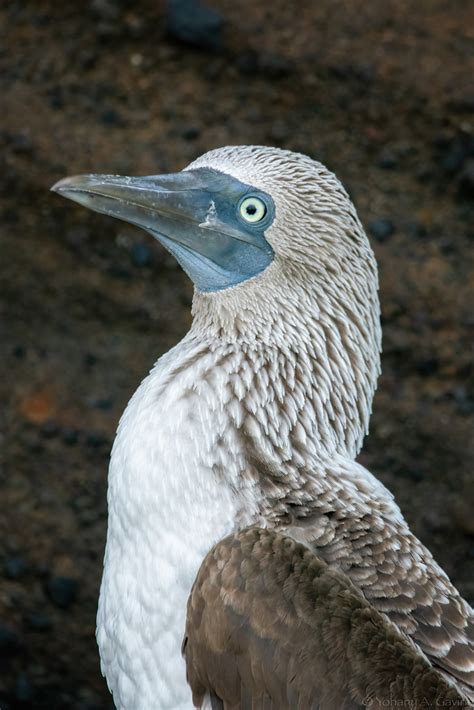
[306, 372]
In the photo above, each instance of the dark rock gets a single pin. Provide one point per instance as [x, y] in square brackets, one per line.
[87, 58]
[106, 30]
[213, 70]
[142, 255]
[111, 117]
[447, 246]
[21, 143]
[415, 229]
[43, 570]
[69, 435]
[62, 591]
[427, 367]
[49, 429]
[19, 351]
[381, 229]
[9, 641]
[455, 151]
[136, 26]
[10, 216]
[23, 688]
[105, 404]
[56, 97]
[14, 567]
[35, 448]
[190, 133]
[118, 271]
[90, 359]
[453, 159]
[424, 174]
[412, 474]
[273, 65]
[462, 513]
[360, 72]
[247, 63]
[464, 402]
[279, 132]
[37, 621]
[106, 9]
[190, 22]
[387, 160]
[462, 104]
[466, 179]
[91, 706]
[77, 236]
[95, 439]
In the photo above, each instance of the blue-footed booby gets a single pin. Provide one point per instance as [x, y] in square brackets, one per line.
[239, 519]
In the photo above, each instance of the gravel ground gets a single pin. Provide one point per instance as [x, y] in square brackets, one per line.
[380, 92]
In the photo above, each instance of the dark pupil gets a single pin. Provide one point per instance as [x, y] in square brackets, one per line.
[250, 209]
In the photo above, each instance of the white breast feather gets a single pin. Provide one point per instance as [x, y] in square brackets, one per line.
[166, 510]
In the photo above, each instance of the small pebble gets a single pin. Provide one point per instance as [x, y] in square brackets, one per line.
[387, 160]
[466, 179]
[136, 60]
[106, 9]
[90, 359]
[95, 439]
[415, 229]
[193, 23]
[190, 133]
[23, 688]
[21, 143]
[273, 65]
[464, 402]
[111, 117]
[49, 429]
[141, 255]
[14, 567]
[19, 351]
[428, 366]
[247, 63]
[37, 621]
[62, 591]
[105, 404]
[9, 640]
[381, 229]
[69, 435]
[77, 236]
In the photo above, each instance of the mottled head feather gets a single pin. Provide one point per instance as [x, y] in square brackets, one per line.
[316, 223]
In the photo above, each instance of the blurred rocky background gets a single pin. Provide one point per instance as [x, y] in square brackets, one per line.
[382, 93]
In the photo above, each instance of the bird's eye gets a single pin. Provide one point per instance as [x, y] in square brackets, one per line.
[252, 209]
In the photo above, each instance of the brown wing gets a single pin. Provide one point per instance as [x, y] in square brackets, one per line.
[348, 519]
[416, 594]
[399, 577]
[270, 626]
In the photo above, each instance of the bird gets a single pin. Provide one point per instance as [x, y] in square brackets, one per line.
[251, 561]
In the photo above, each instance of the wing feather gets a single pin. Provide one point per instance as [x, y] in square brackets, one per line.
[272, 626]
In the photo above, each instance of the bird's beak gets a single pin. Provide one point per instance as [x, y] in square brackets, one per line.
[192, 213]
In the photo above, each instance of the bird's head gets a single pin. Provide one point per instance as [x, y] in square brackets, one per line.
[282, 269]
[253, 227]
